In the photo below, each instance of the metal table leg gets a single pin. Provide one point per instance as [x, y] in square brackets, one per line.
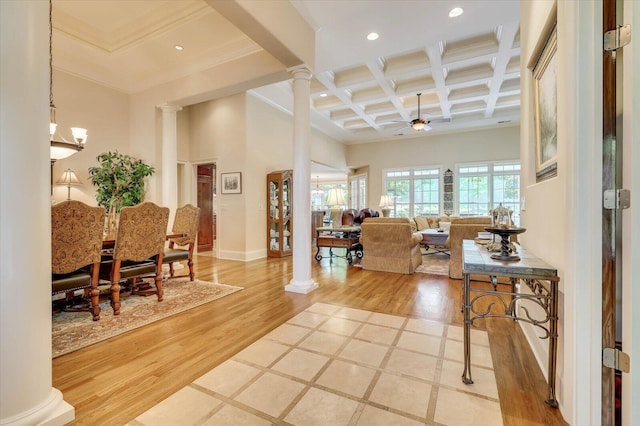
[466, 374]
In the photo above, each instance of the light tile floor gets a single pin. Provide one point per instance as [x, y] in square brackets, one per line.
[333, 366]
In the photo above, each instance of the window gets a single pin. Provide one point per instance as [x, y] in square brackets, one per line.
[483, 187]
[414, 191]
[319, 193]
[358, 192]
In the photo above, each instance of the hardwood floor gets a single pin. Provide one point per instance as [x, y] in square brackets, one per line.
[114, 381]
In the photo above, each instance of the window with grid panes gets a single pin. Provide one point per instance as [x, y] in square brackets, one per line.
[483, 187]
[414, 191]
[358, 192]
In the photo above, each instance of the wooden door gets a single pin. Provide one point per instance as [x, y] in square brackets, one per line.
[206, 191]
[611, 218]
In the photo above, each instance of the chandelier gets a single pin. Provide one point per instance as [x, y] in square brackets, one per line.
[60, 149]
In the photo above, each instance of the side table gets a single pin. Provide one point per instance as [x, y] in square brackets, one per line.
[347, 237]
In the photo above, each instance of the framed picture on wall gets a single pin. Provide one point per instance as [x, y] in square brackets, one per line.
[545, 109]
[231, 183]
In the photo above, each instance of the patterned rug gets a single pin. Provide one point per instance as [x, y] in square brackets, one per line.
[75, 330]
[434, 264]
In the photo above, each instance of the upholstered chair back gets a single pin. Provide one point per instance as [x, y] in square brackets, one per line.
[142, 232]
[186, 222]
[76, 235]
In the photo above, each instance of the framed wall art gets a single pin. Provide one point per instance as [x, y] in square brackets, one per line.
[231, 183]
[545, 109]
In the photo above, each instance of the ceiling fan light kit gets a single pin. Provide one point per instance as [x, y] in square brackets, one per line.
[420, 124]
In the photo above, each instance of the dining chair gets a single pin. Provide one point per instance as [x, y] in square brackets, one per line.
[137, 252]
[186, 224]
[76, 243]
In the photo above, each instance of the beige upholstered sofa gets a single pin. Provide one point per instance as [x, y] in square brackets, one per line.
[390, 245]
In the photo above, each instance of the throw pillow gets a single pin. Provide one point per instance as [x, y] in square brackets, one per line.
[445, 225]
[421, 222]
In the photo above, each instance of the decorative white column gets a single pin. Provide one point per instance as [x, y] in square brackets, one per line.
[26, 393]
[301, 281]
[170, 158]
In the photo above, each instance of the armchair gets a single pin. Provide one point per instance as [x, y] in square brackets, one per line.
[138, 250]
[390, 245]
[186, 223]
[76, 243]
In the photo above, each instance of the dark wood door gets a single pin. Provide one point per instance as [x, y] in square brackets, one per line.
[611, 218]
[206, 191]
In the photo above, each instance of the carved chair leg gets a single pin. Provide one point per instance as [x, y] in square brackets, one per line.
[191, 274]
[171, 271]
[159, 289]
[115, 297]
[94, 293]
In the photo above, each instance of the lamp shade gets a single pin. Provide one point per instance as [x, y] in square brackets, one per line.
[69, 178]
[335, 197]
[385, 201]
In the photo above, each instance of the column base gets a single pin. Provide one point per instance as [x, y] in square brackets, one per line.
[54, 412]
[302, 287]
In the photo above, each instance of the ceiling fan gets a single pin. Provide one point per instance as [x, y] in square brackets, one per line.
[420, 124]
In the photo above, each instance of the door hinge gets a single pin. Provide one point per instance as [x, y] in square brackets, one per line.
[617, 199]
[615, 358]
[615, 39]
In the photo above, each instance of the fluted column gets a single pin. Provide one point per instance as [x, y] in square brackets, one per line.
[301, 281]
[26, 393]
[170, 158]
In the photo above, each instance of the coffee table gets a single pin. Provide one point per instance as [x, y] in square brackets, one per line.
[434, 239]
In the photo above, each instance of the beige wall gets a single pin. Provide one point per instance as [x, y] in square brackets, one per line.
[444, 150]
[104, 112]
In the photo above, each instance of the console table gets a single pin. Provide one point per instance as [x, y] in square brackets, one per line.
[346, 237]
[541, 278]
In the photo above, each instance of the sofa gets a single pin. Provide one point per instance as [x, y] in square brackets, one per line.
[390, 245]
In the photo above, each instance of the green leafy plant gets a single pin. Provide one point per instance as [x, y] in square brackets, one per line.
[119, 179]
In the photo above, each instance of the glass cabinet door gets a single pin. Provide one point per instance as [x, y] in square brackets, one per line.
[279, 227]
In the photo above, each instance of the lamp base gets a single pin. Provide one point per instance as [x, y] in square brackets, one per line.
[385, 212]
[336, 217]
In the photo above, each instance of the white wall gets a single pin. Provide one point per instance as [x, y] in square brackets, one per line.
[563, 216]
[444, 150]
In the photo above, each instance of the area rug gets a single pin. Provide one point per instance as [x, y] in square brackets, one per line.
[434, 264]
[334, 365]
[75, 330]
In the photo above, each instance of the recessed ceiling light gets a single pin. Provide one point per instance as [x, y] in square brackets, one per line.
[178, 47]
[324, 95]
[456, 11]
[372, 36]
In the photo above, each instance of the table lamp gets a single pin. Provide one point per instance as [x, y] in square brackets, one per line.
[69, 178]
[335, 201]
[385, 205]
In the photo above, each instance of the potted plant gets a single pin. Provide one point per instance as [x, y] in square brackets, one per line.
[119, 179]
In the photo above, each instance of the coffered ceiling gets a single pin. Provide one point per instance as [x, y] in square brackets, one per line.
[466, 68]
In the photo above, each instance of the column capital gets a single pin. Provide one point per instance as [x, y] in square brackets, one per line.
[300, 71]
[167, 107]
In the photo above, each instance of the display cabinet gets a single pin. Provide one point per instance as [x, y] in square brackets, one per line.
[279, 226]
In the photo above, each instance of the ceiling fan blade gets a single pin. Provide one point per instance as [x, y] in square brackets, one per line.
[439, 120]
[392, 121]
